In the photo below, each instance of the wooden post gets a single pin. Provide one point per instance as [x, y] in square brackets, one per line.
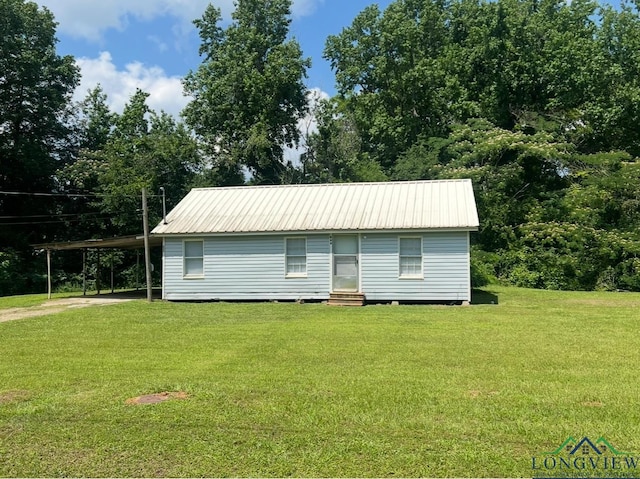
[137, 269]
[49, 273]
[84, 271]
[98, 273]
[147, 248]
[112, 273]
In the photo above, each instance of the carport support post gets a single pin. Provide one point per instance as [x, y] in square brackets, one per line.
[84, 271]
[137, 269]
[49, 273]
[98, 273]
[147, 248]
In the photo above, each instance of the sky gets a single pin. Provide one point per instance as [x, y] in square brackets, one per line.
[151, 44]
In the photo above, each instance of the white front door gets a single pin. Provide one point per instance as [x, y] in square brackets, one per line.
[345, 263]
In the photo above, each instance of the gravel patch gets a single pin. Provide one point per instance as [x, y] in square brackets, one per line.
[57, 306]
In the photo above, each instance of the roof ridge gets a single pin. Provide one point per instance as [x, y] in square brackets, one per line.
[312, 185]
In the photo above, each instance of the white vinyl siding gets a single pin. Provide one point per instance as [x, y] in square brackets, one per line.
[410, 258]
[296, 257]
[445, 266]
[254, 268]
[248, 267]
[193, 266]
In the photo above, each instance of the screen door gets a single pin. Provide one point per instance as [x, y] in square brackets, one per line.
[345, 263]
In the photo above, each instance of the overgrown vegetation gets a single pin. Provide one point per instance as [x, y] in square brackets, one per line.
[313, 391]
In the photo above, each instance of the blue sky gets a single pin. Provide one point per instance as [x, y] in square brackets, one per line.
[152, 44]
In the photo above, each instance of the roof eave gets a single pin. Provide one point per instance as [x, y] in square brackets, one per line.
[306, 232]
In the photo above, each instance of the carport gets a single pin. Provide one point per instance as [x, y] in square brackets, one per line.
[136, 242]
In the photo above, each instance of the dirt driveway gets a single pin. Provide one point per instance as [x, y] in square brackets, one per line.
[59, 305]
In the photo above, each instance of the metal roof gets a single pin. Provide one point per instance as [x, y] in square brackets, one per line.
[405, 205]
[122, 242]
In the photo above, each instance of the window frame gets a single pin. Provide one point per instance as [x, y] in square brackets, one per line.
[416, 276]
[185, 274]
[294, 274]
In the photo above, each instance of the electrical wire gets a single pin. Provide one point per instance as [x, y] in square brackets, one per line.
[26, 223]
[71, 220]
[67, 195]
[70, 195]
[69, 217]
[52, 215]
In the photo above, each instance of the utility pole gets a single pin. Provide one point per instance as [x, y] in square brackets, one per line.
[147, 248]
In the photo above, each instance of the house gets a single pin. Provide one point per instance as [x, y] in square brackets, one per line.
[396, 241]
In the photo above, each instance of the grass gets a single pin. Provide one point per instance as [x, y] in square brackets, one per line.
[34, 300]
[310, 390]
[30, 300]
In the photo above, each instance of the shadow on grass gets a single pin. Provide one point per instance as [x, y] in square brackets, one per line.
[480, 296]
[122, 294]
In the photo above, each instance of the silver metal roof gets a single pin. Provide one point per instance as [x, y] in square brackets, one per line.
[120, 242]
[405, 205]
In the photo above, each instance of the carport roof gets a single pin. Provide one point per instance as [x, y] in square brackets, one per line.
[121, 242]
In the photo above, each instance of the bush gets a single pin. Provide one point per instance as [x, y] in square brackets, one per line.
[483, 267]
[20, 274]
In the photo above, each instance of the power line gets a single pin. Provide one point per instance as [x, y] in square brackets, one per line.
[67, 195]
[52, 215]
[71, 220]
[73, 217]
[70, 195]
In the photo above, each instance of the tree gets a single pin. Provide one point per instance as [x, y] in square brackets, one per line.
[96, 120]
[36, 85]
[389, 75]
[124, 153]
[93, 125]
[512, 172]
[334, 152]
[145, 149]
[248, 93]
[422, 66]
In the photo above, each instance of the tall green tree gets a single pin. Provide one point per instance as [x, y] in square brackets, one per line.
[124, 153]
[334, 152]
[390, 75]
[611, 120]
[96, 120]
[421, 66]
[146, 149]
[93, 127]
[248, 93]
[36, 85]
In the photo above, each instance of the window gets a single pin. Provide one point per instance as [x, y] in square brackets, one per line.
[194, 259]
[296, 257]
[411, 257]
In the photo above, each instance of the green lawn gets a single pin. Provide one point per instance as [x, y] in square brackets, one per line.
[30, 300]
[311, 390]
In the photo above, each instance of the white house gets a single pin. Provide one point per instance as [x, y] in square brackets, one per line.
[396, 241]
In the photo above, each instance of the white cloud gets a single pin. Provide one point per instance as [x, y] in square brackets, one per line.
[165, 91]
[89, 19]
[162, 46]
[303, 8]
